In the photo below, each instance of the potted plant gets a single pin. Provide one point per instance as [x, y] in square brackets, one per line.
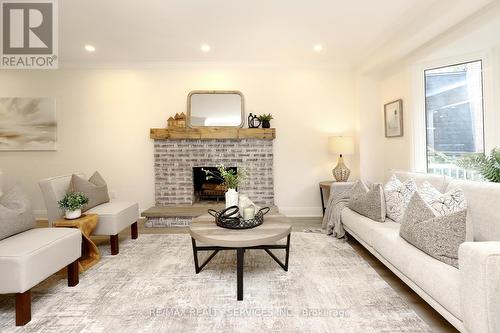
[231, 179]
[487, 166]
[72, 204]
[265, 120]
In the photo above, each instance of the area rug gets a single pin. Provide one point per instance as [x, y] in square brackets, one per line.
[151, 286]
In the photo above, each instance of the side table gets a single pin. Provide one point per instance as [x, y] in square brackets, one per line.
[324, 190]
[87, 224]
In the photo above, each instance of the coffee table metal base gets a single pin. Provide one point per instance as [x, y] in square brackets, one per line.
[240, 257]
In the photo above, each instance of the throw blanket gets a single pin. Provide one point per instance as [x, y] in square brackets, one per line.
[338, 200]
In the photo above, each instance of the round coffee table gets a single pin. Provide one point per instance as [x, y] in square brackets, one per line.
[263, 237]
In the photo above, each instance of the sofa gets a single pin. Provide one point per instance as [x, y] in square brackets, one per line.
[468, 297]
[114, 216]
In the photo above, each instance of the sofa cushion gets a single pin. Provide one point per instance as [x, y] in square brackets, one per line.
[397, 196]
[364, 227]
[438, 280]
[483, 217]
[114, 216]
[95, 189]
[435, 234]
[368, 201]
[15, 213]
[29, 257]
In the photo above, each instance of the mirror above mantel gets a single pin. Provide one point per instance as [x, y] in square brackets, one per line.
[212, 108]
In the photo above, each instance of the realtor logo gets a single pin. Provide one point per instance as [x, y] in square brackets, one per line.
[29, 34]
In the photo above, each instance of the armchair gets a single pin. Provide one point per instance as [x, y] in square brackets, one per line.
[114, 216]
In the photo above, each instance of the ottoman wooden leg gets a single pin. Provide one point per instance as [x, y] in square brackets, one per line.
[23, 308]
[73, 277]
[133, 230]
[113, 239]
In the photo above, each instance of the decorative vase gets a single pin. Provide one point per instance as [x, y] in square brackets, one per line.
[341, 172]
[73, 214]
[231, 198]
[266, 124]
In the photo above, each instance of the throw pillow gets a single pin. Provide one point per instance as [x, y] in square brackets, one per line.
[437, 235]
[15, 213]
[397, 197]
[446, 203]
[95, 189]
[368, 201]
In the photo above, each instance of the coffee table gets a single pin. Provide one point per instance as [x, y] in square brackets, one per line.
[264, 237]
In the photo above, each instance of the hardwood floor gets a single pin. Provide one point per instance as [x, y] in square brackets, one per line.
[425, 311]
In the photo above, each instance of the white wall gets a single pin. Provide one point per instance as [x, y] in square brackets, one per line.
[104, 117]
[475, 38]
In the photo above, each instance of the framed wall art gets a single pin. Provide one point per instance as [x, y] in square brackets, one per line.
[27, 123]
[393, 116]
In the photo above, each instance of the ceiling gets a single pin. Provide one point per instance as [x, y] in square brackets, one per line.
[257, 31]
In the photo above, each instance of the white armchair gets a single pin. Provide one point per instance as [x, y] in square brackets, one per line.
[114, 216]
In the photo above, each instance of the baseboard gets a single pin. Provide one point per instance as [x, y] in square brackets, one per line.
[301, 211]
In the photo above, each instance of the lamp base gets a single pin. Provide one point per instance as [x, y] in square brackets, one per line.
[341, 172]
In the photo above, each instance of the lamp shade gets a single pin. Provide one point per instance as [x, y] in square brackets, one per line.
[341, 145]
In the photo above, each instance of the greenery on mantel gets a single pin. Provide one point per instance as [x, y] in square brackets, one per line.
[487, 166]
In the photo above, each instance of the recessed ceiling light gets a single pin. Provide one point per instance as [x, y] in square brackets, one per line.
[318, 47]
[205, 48]
[89, 48]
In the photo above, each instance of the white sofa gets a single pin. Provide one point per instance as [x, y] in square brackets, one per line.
[114, 216]
[30, 257]
[468, 297]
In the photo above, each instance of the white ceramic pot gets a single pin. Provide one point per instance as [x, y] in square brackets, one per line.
[73, 214]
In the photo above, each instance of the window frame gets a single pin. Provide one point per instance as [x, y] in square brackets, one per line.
[483, 104]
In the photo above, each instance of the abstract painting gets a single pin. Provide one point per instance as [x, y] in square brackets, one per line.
[28, 123]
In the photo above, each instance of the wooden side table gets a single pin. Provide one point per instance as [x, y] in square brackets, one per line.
[87, 224]
[324, 190]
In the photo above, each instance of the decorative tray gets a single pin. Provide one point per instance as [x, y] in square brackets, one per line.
[230, 218]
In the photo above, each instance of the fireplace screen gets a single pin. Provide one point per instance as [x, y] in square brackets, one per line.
[205, 189]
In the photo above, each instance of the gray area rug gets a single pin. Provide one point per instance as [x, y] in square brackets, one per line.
[151, 287]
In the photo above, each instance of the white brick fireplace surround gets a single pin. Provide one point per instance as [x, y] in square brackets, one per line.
[174, 161]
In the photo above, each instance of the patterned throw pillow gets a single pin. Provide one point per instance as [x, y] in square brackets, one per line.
[437, 235]
[397, 197]
[368, 201]
[443, 204]
[15, 213]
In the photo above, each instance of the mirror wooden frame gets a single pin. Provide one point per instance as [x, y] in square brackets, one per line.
[215, 92]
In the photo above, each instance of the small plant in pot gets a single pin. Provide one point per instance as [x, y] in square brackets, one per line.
[265, 120]
[72, 204]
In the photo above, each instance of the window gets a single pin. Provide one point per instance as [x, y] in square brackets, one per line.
[454, 117]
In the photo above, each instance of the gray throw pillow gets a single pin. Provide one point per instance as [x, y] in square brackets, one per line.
[437, 235]
[15, 213]
[368, 201]
[95, 189]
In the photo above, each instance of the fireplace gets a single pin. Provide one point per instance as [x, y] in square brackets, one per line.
[208, 188]
[175, 160]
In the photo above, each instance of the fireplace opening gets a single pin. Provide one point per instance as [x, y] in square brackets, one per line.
[208, 189]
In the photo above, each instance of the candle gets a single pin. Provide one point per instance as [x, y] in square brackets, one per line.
[248, 213]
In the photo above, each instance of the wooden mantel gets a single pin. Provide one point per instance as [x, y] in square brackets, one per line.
[212, 133]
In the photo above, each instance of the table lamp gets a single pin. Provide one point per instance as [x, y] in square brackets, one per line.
[340, 145]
